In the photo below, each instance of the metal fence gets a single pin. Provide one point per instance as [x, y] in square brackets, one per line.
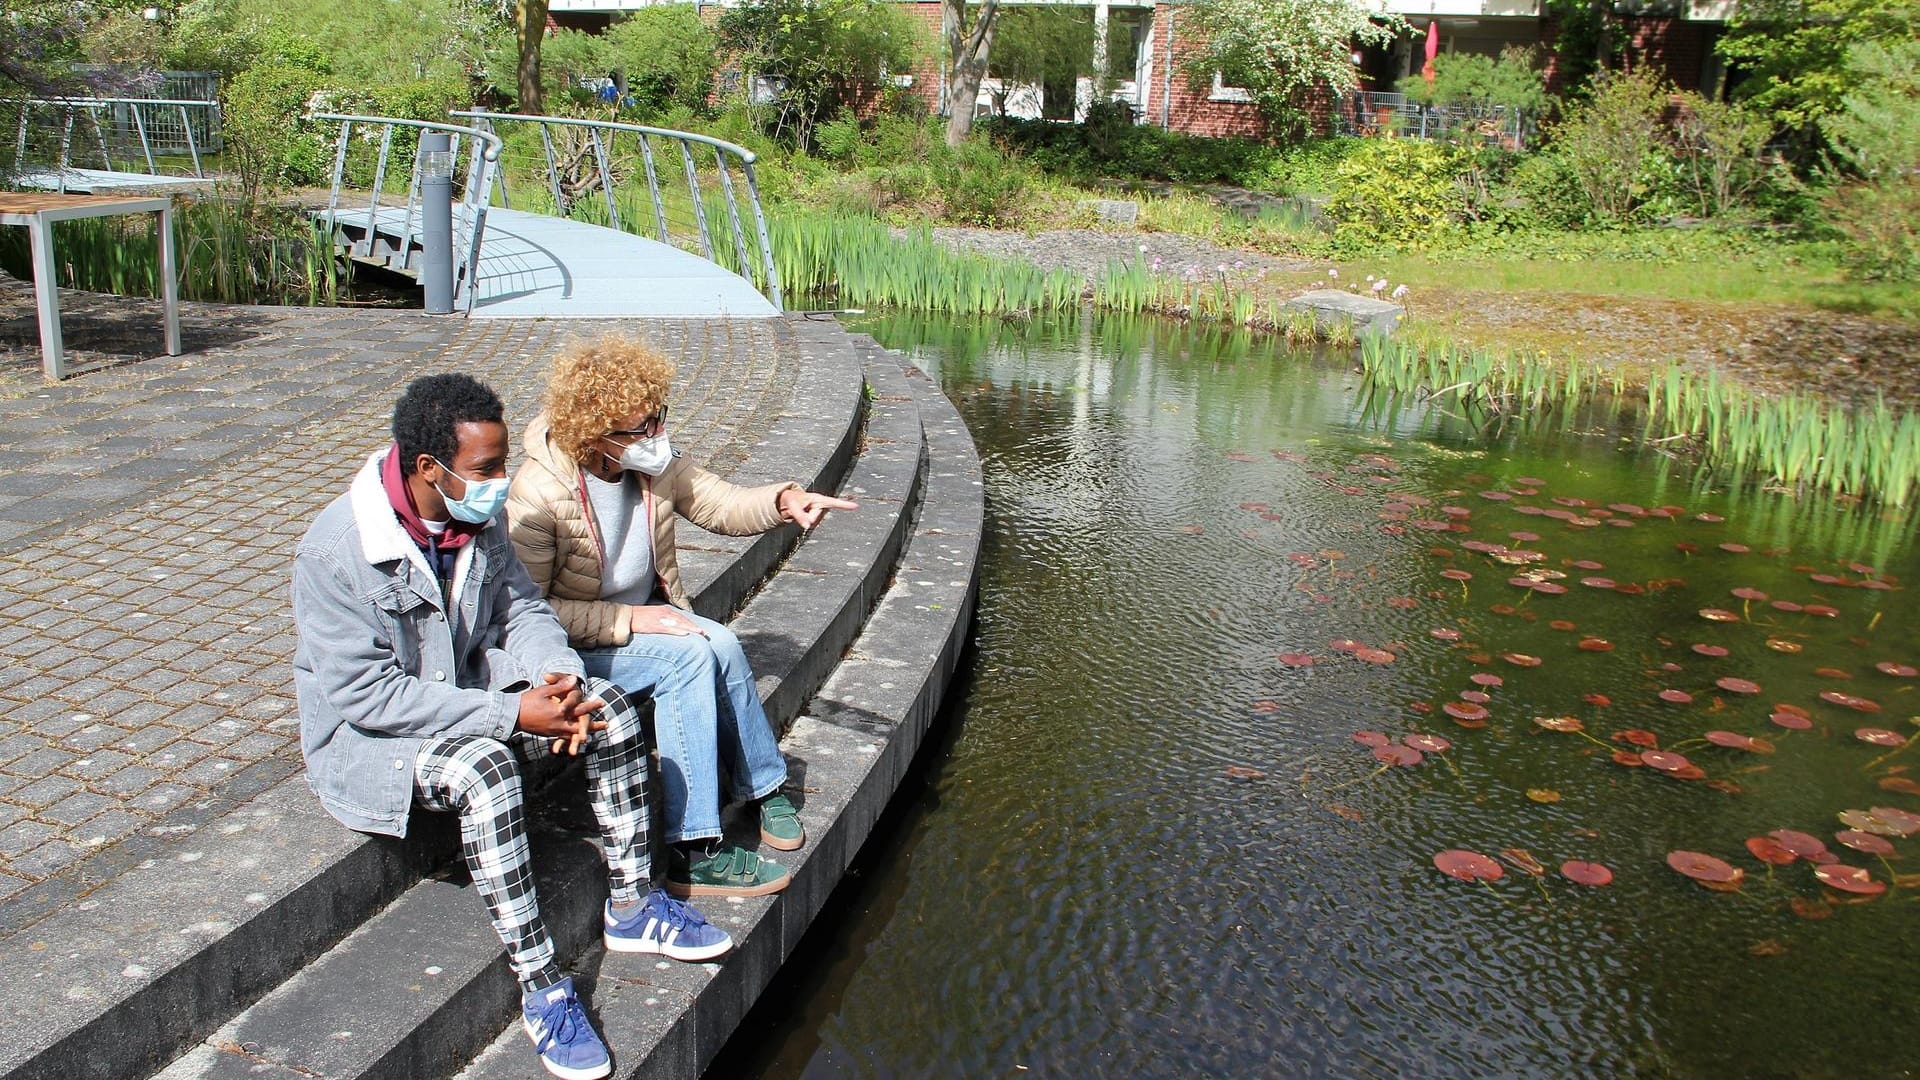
[668, 185]
[153, 136]
[1380, 112]
[368, 160]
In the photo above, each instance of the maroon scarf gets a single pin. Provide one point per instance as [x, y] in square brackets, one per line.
[400, 497]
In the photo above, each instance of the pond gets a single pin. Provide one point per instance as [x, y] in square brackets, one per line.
[1150, 843]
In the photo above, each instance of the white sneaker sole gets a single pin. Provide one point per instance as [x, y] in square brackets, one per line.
[672, 952]
[603, 1069]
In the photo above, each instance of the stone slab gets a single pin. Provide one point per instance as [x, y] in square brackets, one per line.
[1335, 307]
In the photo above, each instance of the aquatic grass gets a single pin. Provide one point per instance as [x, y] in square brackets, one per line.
[1793, 441]
[227, 253]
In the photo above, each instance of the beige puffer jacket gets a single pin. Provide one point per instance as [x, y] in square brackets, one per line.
[551, 524]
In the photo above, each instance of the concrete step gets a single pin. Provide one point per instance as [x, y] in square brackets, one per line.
[855, 739]
[415, 990]
[159, 957]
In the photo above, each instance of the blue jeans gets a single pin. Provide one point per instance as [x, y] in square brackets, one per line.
[706, 715]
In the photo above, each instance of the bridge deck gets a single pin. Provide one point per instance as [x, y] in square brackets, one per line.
[534, 266]
[96, 181]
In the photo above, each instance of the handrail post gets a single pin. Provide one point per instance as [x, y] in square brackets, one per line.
[733, 214]
[146, 148]
[193, 148]
[100, 136]
[66, 143]
[606, 178]
[653, 188]
[339, 170]
[379, 181]
[766, 241]
[553, 171]
[699, 207]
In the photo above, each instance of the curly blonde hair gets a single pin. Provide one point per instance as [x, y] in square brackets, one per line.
[597, 384]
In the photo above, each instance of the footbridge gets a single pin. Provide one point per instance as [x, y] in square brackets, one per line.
[562, 217]
[107, 145]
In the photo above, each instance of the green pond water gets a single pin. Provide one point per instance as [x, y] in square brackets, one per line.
[1145, 844]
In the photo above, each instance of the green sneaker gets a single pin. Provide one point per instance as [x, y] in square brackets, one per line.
[780, 826]
[729, 870]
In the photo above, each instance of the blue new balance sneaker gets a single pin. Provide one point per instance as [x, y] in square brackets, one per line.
[666, 926]
[562, 1034]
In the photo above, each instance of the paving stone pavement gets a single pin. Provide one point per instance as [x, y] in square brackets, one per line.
[148, 512]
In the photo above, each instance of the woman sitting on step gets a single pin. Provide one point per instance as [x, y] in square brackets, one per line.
[591, 515]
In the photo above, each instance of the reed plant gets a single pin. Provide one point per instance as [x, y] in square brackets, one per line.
[1792, 441]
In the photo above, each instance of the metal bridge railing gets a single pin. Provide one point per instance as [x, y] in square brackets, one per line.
[1381, 112]
[128, 135]
[592, 170]
[352, 170]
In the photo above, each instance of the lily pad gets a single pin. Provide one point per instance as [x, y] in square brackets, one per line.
[1675, 697]
[1664, 760]
[1782, 645]
[1457, 575]
[1628, 758]
[1468, 865]
[1596, 699]
[1586, 873]
[1737, 686]
[1704, 868]
[1860, 840]
[1543, 795]
[1598, 582]
[1520, 659]
[1898, 671]
[1475, 696]
[1567, 724]
[1791, 721]
[1718, 615]
[1371, 738]
[1444, 633]
[1769, 850]
[1849, 701]
[1594, 644]
[1709, 650]
[1297, 659]
[1373, 656]
[1879, 736]
[1486, 678]
[1398, 755]
[1803, 845]
[1464, 710]
[1747, 593]
[1849, 879]
[1640, 737]
[1430, 744]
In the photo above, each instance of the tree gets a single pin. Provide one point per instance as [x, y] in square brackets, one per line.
[819, 55]
[1280, 50]
[42, 40]
[529, 29]
[1043, 46]
[668, 56]
[969, 46]
[1793, 56]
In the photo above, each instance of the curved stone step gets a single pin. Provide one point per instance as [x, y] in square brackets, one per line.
[160, 956]
[416, 989]
[857, 737]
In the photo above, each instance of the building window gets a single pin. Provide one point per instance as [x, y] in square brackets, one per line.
[1223, 91]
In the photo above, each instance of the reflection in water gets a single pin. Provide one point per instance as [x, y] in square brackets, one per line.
[1083, 887]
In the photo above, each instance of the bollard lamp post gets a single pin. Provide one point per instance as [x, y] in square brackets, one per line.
[436, 221]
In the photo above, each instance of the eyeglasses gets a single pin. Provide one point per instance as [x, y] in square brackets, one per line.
[652, 426]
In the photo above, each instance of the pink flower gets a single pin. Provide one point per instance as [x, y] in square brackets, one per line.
[1380, 286]
[1399, 292]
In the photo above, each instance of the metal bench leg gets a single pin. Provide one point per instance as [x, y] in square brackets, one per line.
[46, 295]
[169, 280]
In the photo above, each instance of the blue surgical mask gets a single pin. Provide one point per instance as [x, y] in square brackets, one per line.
[484, 498]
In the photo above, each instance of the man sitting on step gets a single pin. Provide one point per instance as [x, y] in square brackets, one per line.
[428, 665]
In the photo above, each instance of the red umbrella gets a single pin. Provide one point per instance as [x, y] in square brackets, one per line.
[1433, 49]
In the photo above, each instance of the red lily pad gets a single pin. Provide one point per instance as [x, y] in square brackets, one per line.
[1640, 737]
[1718, 615]
[1475, 696]
[1675, 697]
[1704, 868]
[1735, 549]
[1594, 644]
[1664, 760]
[1866, 842]
[1586, 873]
[1486, 678]
[1787, 606]
[1371, 738]
[1495, 496]
[1832, 673]
[1849, 879]
[1457, 575]
[1747, 593]
[1821, 610]
[1373, 656]
[1709, 650]
[1879, 736]
[1737, 686]
[1733, 740]
[1596, 699]
[1464, 710]
[1791, 721]
[1444, 633]
[1898, 671]
[1711, 519]
[1430, 744]
[1297, 659]
[1561, 624]
[1805, 845]
[1849, 701]
[1520, 659]
[1628, 758]
[1468, 865]
[1398, 755]
[1568, 724]
[1769, 850]
[1523, 536]
[1782, 645]
[1598, 582]
[1882, 821]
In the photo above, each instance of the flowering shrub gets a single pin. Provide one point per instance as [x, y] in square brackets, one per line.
[1396, 194]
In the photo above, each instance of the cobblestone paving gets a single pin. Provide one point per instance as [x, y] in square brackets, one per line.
[148, 513]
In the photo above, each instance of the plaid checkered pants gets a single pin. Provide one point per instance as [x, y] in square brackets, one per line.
[479, 778]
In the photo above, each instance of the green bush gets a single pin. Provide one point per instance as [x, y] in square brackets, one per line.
[980, 185]
[1879, 222]
[268, 143]
[1396, 194]
[1607, 140]
[667, 55]
[1545, 193]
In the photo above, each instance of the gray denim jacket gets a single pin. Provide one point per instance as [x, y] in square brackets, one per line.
[378, 667]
